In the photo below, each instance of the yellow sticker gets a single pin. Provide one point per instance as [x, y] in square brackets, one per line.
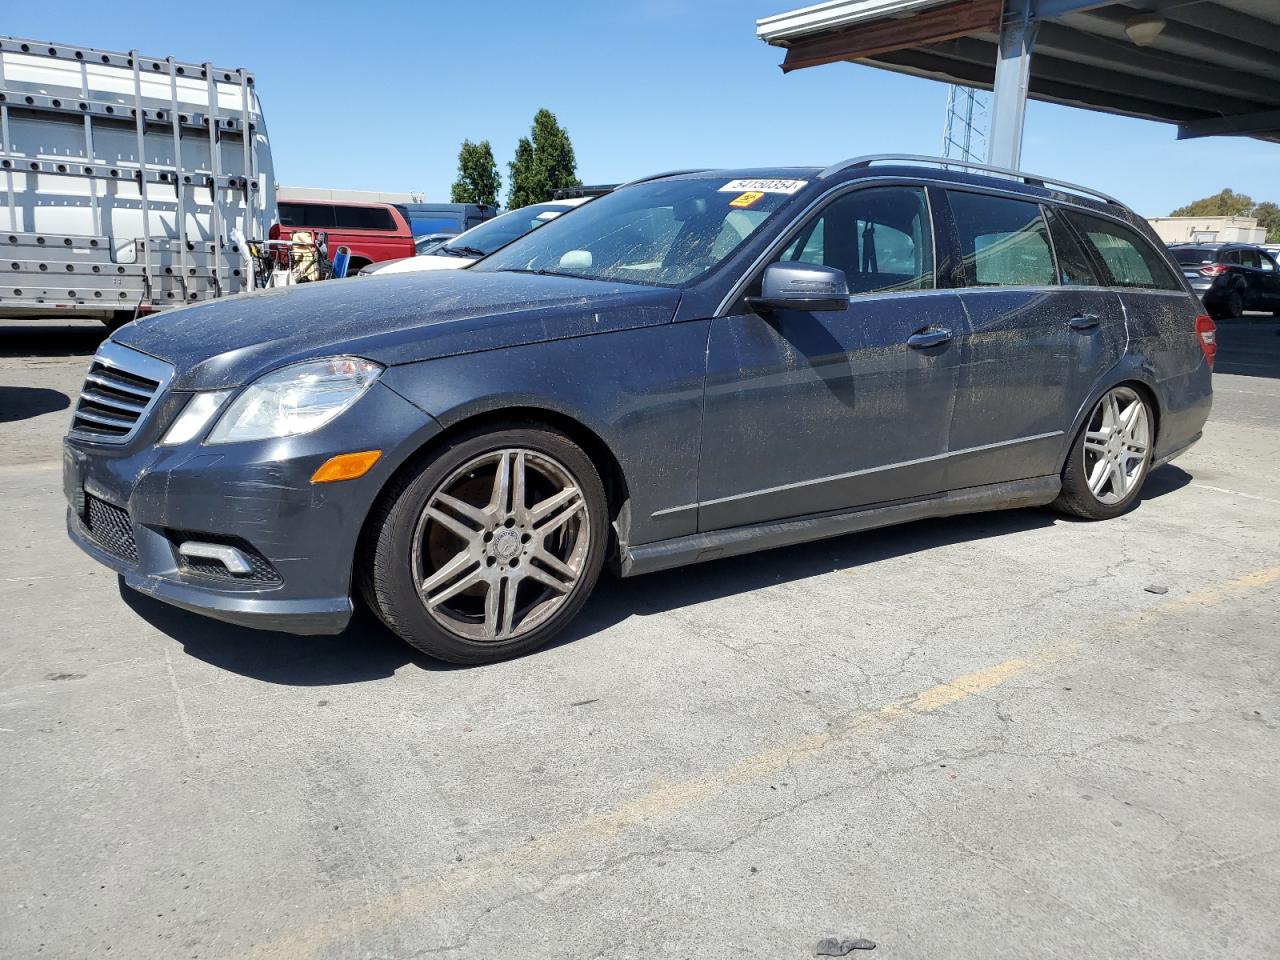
[748, 199]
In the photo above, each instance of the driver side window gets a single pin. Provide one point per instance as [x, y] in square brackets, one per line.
[881, 238]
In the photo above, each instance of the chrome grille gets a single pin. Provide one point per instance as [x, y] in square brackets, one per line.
[119, 390]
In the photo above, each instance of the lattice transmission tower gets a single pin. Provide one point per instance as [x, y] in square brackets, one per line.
[964, 136]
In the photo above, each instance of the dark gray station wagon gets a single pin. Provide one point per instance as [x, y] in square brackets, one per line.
[694, 366]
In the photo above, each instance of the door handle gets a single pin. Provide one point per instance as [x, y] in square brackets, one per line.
[1084, 321]
[928, 338]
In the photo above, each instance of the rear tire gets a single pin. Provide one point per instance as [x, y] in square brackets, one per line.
[1110, 458]
[488, 549]
[1233, 306]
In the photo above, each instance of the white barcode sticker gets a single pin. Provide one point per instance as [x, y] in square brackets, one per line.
[763, 186]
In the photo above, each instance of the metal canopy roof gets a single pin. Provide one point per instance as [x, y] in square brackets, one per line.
[1210, 66]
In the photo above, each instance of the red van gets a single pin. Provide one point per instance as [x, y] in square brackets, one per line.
[373, 231]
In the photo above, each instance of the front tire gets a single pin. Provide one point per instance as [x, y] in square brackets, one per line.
[490, 548]
[1110, 458]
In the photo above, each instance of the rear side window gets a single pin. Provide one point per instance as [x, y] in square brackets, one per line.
[1074, 267]
[364, 218]
[1003, 242]
[1266, 264]
[882, 239]
[1128, 258]
[1193, 256]
[312, 216]
[1250, 258]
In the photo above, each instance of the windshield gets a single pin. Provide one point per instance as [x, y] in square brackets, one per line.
[500, 231]
[662, 233]
[1194, 255]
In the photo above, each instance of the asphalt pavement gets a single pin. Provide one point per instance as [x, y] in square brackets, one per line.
[1003, 736]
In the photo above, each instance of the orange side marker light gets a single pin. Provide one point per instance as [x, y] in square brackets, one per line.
[346, 466]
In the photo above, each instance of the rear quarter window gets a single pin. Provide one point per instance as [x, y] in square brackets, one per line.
[1129, 260]
[311, 216]
[364, 218]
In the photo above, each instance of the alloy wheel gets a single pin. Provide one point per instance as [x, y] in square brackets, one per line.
[1116, 444]
[500, 545]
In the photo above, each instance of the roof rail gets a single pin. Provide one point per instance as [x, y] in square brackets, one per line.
[659, 176]
[1027, 178]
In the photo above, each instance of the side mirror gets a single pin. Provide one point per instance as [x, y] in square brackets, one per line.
[801, 286]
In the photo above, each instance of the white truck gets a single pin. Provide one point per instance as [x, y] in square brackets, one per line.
[128, 184]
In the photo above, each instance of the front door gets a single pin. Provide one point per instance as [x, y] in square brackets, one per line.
[809, 412]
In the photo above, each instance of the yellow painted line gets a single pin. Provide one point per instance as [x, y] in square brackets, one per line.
[664, 800]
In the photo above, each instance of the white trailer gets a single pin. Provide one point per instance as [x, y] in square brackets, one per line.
[128, 184]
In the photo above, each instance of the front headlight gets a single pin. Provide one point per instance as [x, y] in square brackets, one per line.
[295, 399]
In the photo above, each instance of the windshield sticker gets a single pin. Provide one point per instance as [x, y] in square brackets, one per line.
[748, 199]
[764, 186]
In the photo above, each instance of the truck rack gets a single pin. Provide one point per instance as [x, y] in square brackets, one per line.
[129, 183]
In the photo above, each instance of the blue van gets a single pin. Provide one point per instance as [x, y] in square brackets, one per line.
[427, 218]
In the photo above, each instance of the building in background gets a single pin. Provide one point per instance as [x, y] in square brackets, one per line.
[348, 196]
[1208, 229]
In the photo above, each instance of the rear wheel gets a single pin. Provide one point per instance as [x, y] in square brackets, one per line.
[1233, 305]
[1110, 458]
[491, 548]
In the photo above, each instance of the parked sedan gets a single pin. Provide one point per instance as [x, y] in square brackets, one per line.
[692, 367]
[466, 248]
[1231, 277]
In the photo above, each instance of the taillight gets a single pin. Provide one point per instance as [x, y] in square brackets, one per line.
[1213, 270]
[1207, 334]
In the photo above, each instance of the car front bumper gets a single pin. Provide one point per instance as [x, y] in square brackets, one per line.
[130, 507]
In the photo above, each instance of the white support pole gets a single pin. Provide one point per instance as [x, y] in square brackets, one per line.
[1009, 101]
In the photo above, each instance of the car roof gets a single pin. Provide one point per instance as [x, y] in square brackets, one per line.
[910, 170]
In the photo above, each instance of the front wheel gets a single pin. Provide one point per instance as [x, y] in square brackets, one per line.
[491, 548]
[1110, 458]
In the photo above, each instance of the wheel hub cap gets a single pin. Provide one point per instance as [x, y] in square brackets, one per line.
[1116, 444]
[501, 545]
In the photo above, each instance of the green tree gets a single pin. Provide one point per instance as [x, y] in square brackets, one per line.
[544, 162]
[1225, 203]
[478, 179]
[1268, 216]
[523, 189]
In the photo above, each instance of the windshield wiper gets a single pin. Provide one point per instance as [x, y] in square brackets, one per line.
[465, 251]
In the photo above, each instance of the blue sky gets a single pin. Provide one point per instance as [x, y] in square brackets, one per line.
[378, 95]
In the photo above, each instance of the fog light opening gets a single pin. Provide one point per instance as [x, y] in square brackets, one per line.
[233, 559]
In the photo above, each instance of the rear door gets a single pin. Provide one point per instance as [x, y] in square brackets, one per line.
[1042, 330]
[1269, 273]
[373, 233]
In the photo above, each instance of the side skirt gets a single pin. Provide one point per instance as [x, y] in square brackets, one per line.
[695, 548]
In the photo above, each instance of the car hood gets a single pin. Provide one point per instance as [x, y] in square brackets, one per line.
[398, 319]
[428, 261]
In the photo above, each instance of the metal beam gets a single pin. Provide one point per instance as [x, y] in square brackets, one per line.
[1009, 102]
[1265, 122]
[1091, 50]
[1196, 45]
[932, 26]
[1174, 90]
